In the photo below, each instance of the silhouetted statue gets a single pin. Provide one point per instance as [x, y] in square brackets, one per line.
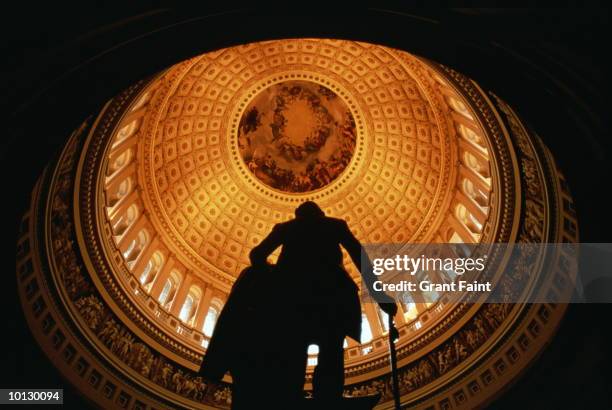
[275, 312]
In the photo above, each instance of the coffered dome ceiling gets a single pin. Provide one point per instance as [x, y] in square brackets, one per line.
[391, 182]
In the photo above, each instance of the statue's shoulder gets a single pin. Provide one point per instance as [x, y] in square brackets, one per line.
[336, 226]
[335, 221]
[282, 226]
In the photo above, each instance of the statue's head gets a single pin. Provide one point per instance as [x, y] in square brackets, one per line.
[309, 209]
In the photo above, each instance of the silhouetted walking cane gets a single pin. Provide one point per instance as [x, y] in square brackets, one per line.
[393, 336]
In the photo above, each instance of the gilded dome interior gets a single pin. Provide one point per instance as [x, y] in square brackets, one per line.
[378, 137]
[152, 208]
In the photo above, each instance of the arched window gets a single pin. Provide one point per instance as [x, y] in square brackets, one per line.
[470, 135]
[475, 164]
[470, 190]
[211, 317]
[187, 308]
[366, 330]
[471, 161]
[151, 270]
[126, 220]
[410, 309]
[124, 188]
[459, 107]
[431, 297]
[190, 306]
[313, 351]
[142, 100]
[136, 247]
[466, 218]
[166, 297]
[165, 291]
[130, 249]
[145, 273]
[120, 161]
[384, 320]
[126, 131]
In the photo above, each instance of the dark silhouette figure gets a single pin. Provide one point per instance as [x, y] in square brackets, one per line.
[306, 298]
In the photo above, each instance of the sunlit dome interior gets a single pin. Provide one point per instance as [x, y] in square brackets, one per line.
[220, 147]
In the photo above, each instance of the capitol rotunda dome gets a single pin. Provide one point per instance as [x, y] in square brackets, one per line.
[154, 204]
